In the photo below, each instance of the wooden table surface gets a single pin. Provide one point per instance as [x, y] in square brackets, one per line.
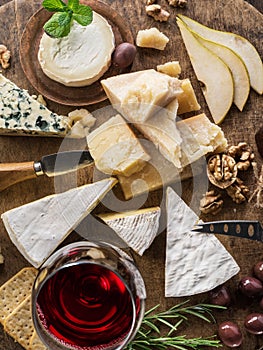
[233, 15]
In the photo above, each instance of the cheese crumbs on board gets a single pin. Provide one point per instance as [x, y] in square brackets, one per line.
[152, 38]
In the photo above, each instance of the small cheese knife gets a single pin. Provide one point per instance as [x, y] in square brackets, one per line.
[242, 228]
[50, 165]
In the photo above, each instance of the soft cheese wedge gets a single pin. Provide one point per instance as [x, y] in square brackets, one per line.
[212, 72]
[241, 46]
[139, 95]
[21, 114]
[80, 58]
[136, 228]
[198, 261]
[115, 149]
[237, 69]
[37, 228]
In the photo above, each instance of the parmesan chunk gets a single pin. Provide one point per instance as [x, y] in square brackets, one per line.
[152, 38]
[115, 149]
[199, 261]
[173, 68]
[187, 100]
[139, 95]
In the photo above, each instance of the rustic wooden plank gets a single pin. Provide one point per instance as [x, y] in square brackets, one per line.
[233, 15]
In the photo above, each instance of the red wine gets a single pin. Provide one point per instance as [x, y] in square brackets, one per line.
[86, 305]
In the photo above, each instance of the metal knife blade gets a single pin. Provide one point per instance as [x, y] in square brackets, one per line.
[242, 228]
[62, 162]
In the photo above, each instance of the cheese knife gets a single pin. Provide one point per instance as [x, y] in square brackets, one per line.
[242, 228]
[50, 165]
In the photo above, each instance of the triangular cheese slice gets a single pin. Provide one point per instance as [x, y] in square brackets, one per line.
[195, 262]
[137, 228]
[37, 228]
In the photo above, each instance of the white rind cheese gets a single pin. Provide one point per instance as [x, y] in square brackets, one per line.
[80, 58]
[195, 262]
[137, 228]
[37, 228]
[21, 114]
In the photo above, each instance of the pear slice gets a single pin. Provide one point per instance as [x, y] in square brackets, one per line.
[237, 68]
[218, 83]
[241, 46]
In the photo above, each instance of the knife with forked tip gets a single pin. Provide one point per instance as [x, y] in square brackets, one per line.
[50, 165]
[241, 228]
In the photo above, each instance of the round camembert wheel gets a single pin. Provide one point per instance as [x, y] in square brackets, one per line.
[80, 58]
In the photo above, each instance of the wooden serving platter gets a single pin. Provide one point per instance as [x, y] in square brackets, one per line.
[231, 15]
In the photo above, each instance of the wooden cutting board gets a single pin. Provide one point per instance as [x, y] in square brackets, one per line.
[232, 15]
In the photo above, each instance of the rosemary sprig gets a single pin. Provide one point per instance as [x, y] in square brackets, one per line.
[148, 337]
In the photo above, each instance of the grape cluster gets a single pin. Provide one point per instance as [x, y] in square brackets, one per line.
[252, 288]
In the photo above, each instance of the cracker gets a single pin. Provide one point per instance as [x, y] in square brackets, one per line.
[16, 290]
[19, 324]
[36, 343]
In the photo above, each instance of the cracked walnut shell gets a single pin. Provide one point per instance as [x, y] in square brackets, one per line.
[222, 170]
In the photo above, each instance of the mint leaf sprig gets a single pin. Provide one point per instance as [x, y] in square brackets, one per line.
[59, 24]
[150, 336]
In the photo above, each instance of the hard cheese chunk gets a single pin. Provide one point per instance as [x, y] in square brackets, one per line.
[187, 100]
[21, 114]
[81, 57]
[115, 149]
[139, 95]
[161, 129]
[199, 137]
[199, 261]
[137, 228]
[37, 228]
[152, 38]
[171, 68]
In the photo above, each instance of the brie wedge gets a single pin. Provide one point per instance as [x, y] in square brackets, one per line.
[37, 228]
[195, 262]
[80, 58]
[137, 228]
[139, 95]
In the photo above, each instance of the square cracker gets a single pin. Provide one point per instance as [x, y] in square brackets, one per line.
[36, 343]
[19, 324]
[16, 290]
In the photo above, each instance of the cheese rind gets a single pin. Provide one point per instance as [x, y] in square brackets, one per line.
[21, 114]
[37, 228]
[199, 261]
[80, 58]
[139, 95]
[115, 149]
[137, 228]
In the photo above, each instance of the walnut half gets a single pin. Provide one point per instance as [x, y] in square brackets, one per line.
[157, 12]
[211, 203]
[222, 170]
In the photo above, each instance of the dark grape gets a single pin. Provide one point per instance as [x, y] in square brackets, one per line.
[254, 323]
[230, 334]
[124, 54]
[258, 270]
[220, 296]
[250, 286]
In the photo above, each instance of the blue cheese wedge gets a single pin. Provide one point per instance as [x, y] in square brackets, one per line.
[198, 261]
[137, 228]
[37, 228]
[21, 114]
[80, 58]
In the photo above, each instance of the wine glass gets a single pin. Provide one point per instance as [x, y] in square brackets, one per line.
[88, 296]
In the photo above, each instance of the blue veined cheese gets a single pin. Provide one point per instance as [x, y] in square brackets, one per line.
[21, 114]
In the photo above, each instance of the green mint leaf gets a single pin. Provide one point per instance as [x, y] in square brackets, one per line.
[83, 15]
[54, 5]
[58, 25]
[73, 5]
